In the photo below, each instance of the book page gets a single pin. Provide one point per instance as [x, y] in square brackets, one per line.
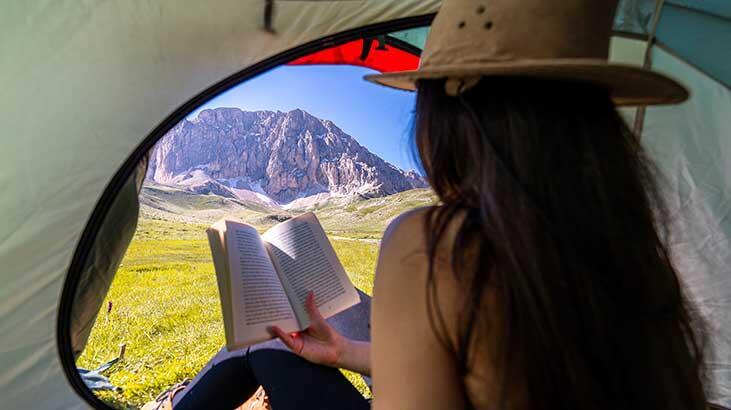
[258, 298]
[217, 239]
[307, 262]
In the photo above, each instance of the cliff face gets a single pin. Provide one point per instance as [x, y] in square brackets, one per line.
[273, 155]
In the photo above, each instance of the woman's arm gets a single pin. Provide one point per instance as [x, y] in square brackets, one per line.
[356, 356]
[322, 344]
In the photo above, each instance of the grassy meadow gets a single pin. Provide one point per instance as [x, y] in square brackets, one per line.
[165, 307]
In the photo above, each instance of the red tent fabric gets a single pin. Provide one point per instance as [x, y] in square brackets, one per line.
[365, 53]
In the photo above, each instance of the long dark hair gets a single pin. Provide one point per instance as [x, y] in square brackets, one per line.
[558, 207]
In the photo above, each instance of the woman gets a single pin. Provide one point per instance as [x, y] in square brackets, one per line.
[542, 280]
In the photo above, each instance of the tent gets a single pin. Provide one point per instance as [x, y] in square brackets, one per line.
[88, 87]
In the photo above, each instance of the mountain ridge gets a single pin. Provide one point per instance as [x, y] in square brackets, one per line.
[273, 158]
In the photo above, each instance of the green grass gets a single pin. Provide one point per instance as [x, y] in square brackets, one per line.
[165, 307]
[359, 260]
[153, 230]
[368, 218]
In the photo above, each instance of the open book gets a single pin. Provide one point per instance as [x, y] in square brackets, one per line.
[264, 280]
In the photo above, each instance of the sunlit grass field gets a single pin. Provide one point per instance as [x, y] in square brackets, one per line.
[165, 308]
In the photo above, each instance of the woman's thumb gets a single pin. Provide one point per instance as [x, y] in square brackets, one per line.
[312, 310]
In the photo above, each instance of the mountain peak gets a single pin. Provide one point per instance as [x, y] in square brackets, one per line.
[275, 155]
[300, 112]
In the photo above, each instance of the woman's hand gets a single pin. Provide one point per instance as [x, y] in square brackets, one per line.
[320, 343]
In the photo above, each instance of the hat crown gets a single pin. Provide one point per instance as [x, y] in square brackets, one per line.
[478, 31]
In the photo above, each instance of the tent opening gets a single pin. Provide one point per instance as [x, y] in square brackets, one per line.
[146, 314]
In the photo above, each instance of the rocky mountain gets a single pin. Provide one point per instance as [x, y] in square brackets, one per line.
[271, 158]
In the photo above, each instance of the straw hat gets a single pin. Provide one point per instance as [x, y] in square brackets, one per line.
[552, 39]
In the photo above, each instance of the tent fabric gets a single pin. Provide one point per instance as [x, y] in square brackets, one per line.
[115, 235]
[83, 83]
[697, 31]
[415, 36]
[719, 8]
[692, 145]
[699, 37]
[634, 16]
[365, 53]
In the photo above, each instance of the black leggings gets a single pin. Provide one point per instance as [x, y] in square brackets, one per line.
[291, 382]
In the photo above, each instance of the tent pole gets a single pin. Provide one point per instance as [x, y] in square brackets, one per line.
[647, 63]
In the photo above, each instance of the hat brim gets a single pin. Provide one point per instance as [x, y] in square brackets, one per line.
[627, 84]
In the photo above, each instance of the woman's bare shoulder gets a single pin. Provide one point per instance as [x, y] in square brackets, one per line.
[407, 233]
[409, 224]
[403, 248]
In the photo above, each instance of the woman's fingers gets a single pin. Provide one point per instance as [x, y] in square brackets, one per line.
[290, 340]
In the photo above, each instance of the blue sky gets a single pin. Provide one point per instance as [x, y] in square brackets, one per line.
[379, 118]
